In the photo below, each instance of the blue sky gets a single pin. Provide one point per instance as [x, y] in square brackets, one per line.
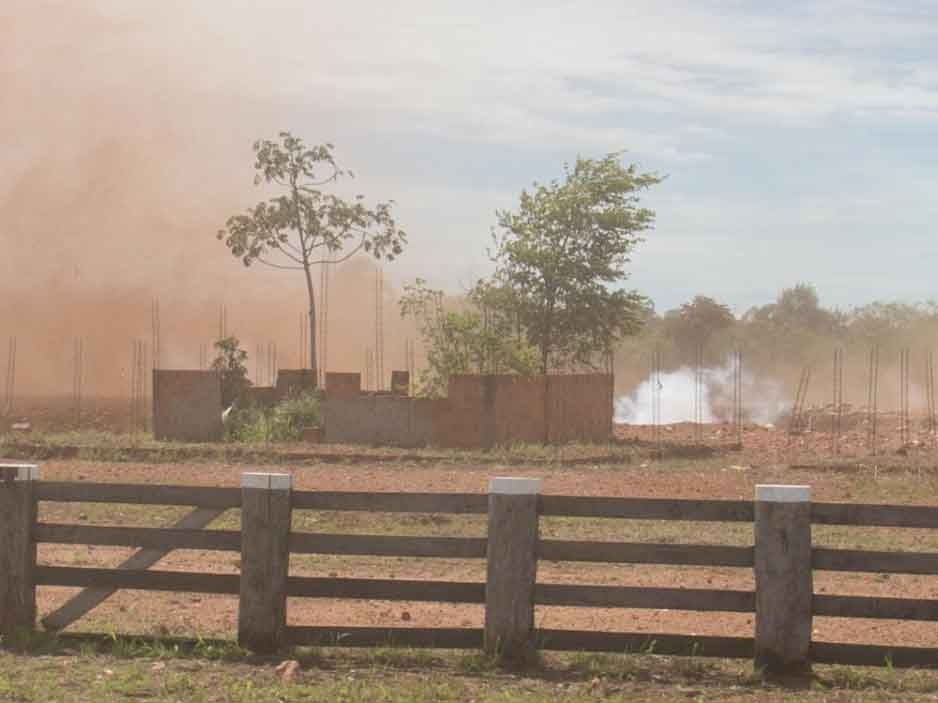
[800, 144]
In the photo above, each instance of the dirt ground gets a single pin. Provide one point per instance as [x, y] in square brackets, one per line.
[724, 476]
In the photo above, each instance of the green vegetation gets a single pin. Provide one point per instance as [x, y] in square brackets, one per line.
[555, 301]
[304, 226]
[107, 672]
[284, 422]
[561, 257]
[477, 338]
[230, 360]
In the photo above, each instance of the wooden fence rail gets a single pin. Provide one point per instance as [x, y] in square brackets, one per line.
[782, 558]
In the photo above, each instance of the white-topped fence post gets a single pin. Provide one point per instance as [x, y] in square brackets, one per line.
[784, 584]
[17, 549]
[512, 569]
[265, 560]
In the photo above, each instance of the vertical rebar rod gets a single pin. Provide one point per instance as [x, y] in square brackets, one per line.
[10, 380]
[872, 399]
[77, 362]
[930, 393]
[738, 397]
[133, 387]
[905, 420]
[698, 393]
[838, 401]
[379, 329]
[656, 399]
[155, 332]
[324, 361]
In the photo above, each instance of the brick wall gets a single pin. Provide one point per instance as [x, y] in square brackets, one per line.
[479, 411]
[580, 408]
[187, 405]
[380, 420]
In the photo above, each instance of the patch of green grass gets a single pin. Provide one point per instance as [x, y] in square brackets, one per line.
[392, 675]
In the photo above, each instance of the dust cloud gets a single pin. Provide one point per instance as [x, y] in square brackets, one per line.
[120, 164]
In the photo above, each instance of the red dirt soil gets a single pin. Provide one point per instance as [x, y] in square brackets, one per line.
[190, 614]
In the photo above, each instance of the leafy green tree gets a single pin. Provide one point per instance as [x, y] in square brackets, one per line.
[695, 323]
[231, 361]
[563, 254]
[303, 226]
[478, 338]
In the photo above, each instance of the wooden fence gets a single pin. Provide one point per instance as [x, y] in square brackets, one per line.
[782, 557]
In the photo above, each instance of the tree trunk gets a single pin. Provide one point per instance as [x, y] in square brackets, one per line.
[313, 361]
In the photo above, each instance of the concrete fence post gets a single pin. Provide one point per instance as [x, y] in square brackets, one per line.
[784, 585]
[17, 549]
[265, 560]
[512, 569]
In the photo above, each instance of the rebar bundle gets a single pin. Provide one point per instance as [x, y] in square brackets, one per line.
[905, 425]
[797, 422]
[838, 401]
[379, 330]
[155, 332]
[369, 366]
[872, 399]
[323, 361]
[930, 394]
[9, 387]
[738, 397]
[77, 376]
[656, 399]
[410, 357]
[222, 321]
[272, 367]
[698, 394]
[138, 386]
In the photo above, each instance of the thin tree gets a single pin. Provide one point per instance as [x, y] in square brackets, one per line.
[302, 226]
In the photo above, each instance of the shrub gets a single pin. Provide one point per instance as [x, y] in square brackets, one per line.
[283, 422]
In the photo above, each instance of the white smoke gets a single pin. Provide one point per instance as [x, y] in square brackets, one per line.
[763, 400]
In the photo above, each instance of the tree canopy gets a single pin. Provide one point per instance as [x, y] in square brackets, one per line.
[303, 226]
[561, 258]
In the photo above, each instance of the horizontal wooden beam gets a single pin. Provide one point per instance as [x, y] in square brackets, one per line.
[474, 503]
[137, 580]
[90, 598]
[389, 545]
[627, 642]
[640, 553]
[823, 559]
[138, 494]
[438, 638]
[874, 655]
[148, 537]
[647, 508]
[644, 597]
[874, 515]
[875, 607]
[386, 589]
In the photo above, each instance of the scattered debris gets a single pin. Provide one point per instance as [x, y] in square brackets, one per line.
[288, 671]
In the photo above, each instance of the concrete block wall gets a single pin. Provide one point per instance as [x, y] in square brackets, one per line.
[291, 380]
[479, 411]
[343, 385]
[380, 420]
[187, 405]
[580, 408]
